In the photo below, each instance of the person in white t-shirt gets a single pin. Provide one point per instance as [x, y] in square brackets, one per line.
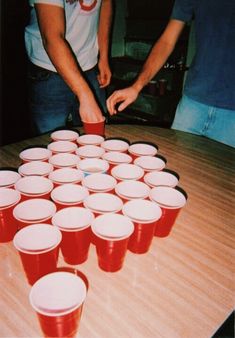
[67, 43]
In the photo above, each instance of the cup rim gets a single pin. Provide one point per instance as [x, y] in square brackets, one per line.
[13, 193]
[29, 204]
[68, 190]
[169, 191]
[157, 212]
[12, 172]
[54, 312]
[106, 196]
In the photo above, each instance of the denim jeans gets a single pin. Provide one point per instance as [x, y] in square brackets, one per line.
[51, 101]
[198, 118]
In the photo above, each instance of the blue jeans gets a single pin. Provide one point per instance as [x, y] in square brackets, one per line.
[197, 118]
[51, 101]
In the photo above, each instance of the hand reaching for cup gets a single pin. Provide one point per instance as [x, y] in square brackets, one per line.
[126, 96]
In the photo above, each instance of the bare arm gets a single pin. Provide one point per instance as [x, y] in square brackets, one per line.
[156, 59]
[51, 20]
[103, 41]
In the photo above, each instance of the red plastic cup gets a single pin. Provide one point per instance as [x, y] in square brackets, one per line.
[34, 187]
[58, 300]
[99, 183]
[141, 148]
[65, 135]
[68, 195]
[103, 203]
[90, 151]
[115, 144]
[115, 158]
[132, 190]
[35, 154]
[171, 200]
[36, 210]
[144, 214]
[38, 247]
[161, 178]
[112, 233]
[125, 171]
[90, 139]
[65, 176]
[8, 225]
[64, 160]
[150, 163]
[97, 128]
[58, 147]
[8, 177]
[35, 168]
[93, 165]
[74, 224]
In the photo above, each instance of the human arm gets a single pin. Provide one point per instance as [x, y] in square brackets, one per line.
[104, 76]
[160, 52]
[51, 19]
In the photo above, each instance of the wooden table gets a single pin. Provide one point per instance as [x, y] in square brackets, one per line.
[183, 287]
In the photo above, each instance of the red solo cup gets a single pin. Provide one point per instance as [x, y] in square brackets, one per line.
[142, 148]
[58, 300]
[38, 168]
[112, 232]
[65, 135]
[150, 163]
[35, 154]
[68, 195]
[144, 214]
[74, 224]
[8, 225]
[8, 177]
[115, 158]
[64, 160]
[99, 183]
[90, 139]
[93, 165]
[130, 190]
[103, 203]
[115, 144]
[161, 178]
[90, 151]
[38, 247]
[36, 210]
[171, 200]
[97, 128]
[125, 171]
[34, 187]
[57, 147]
[65, 176]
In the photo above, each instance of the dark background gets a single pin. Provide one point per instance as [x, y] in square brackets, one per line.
[14, 113]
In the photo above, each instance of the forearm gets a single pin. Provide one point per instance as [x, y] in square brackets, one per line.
[104, 29]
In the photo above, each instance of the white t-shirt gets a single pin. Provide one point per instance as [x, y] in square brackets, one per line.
[81, 33]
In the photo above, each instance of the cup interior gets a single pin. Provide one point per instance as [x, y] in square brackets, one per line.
[115, 145]
[64, 135]
[66, 175]
[112, 226]
[158, 178]
[64, 160]
[99, 182]
[93, 165]
[69, 193]
[8, 197]
[62, 146]
[8, 177]
[37, 238]
[127, 172]
[57, 293]
[116, 157]
[132, 189]
[39, 168]
[143, 149]
[167, 197]
[150, 162]
[33, 185]
[34, 210]
[73, 218]
[90, 139]
[142, 211]
[103, 202]
[35, 154]
[90, 151]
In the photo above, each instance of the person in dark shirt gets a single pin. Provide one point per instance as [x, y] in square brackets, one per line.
[207, 106]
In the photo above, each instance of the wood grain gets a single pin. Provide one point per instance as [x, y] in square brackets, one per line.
[183, 287]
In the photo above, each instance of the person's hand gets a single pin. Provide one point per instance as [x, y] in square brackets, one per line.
[89, 110]
[126, 96]
[104, 76]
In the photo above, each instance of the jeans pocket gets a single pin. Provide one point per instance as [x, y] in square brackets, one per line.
[36, 73]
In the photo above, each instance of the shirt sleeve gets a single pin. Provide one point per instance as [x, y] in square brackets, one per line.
[183, 10]
[59, 3]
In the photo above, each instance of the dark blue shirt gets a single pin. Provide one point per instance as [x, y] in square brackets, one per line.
[211, 77]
